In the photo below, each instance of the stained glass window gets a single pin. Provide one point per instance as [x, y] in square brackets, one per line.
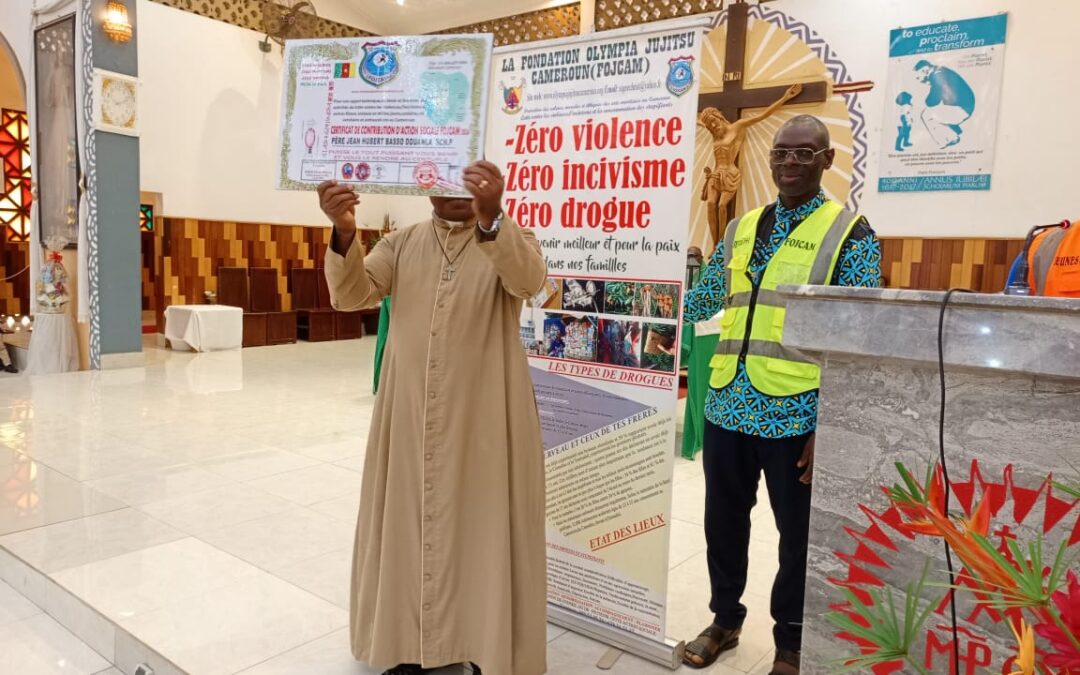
[15, 175]
[146, 218]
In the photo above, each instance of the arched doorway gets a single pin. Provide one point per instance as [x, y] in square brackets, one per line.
[15, 197]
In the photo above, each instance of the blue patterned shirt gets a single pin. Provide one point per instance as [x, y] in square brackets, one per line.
[739, 406]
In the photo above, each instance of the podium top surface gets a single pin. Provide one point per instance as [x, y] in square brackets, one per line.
[1021, 335]
[904, 296]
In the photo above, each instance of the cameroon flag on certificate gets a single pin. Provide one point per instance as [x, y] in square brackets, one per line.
[342, 70]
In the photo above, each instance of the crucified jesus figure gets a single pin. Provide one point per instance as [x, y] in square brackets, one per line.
[722, 180]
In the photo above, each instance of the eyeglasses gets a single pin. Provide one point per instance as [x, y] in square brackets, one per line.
[801, 155]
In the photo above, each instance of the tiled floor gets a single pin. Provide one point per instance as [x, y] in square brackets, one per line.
[31, 642]
[205, 504]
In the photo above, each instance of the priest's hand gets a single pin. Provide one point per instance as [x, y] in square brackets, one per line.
[807, 461]
[339, 202]
[484, 182]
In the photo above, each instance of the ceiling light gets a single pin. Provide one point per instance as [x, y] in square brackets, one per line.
[401, 3]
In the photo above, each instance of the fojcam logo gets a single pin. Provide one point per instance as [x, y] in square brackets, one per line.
[801, 244]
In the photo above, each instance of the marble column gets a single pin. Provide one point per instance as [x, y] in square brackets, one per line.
[1013, 418]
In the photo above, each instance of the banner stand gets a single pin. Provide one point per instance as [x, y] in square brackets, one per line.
[597, 134]
[668, 653]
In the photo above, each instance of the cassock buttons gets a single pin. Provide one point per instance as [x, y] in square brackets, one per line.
[428, 486]
[431, 394]
[428, 456]
[427, 519]
[427, 577]
[427, 547]
[427, 606]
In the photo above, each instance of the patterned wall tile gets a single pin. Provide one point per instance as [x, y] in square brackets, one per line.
[249, 14]
[544, 24]
[939, 264]
[191, 251]
[622, 13]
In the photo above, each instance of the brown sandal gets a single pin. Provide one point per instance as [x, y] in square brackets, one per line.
[710, 644]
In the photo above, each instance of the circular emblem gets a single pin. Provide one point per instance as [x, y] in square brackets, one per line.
[680, 75]
[380, 62]
[363, 171]
[347, 171]
[426, 174]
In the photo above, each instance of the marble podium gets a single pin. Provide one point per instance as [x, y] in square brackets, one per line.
[1013, 419]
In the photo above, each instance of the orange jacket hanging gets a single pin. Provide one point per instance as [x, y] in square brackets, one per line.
[1054, 262]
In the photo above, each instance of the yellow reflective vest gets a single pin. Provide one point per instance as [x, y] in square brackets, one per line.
[753, 321]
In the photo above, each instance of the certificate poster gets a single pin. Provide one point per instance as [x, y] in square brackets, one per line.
[595, 136]
[941, 105]
[389, 115]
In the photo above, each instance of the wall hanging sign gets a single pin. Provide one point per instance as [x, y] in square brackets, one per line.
[943, 95]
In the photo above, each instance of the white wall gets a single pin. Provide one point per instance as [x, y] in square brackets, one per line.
[1033, 180]
[15, 32]
[210, 104]
[209, 118]
[11, 88]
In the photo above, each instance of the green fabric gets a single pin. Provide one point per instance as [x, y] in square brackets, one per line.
[701, 349]
[380, 340]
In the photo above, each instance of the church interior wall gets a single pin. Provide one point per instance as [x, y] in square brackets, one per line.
[209, 114]
[1025, 191]
[11, 87]
[1028, 187]
[210, 103]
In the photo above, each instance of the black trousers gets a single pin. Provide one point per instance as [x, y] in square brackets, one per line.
[733, 465]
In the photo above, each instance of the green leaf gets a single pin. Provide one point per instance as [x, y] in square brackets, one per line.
[1071, 490]
[892, 636]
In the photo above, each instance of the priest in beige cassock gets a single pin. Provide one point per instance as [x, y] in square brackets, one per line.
[449, 564]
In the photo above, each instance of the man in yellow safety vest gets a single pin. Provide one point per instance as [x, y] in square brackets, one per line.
[761, 410]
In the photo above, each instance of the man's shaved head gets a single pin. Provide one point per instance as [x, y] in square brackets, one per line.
[809, 124]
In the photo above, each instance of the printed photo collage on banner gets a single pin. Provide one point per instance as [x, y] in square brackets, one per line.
[628, 324]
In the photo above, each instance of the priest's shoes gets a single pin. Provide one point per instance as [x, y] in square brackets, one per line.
[407, 669]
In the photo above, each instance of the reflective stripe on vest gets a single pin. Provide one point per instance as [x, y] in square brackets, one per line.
[1055, 262]
[808, 256]
[1042, 258]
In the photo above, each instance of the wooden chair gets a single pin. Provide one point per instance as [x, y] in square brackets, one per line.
[233, 290]
[280, 326]
[314, 323]
[347, 325]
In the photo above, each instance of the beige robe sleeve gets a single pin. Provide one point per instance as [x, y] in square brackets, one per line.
[357, 281]
[518, 259]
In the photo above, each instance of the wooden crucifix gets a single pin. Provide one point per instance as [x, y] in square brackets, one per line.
[721, 114]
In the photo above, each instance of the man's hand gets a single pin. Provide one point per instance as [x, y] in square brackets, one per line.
[339, 202]
[484, 182]
[807, 461]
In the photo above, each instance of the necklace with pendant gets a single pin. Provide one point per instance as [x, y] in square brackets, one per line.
[448, 272]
